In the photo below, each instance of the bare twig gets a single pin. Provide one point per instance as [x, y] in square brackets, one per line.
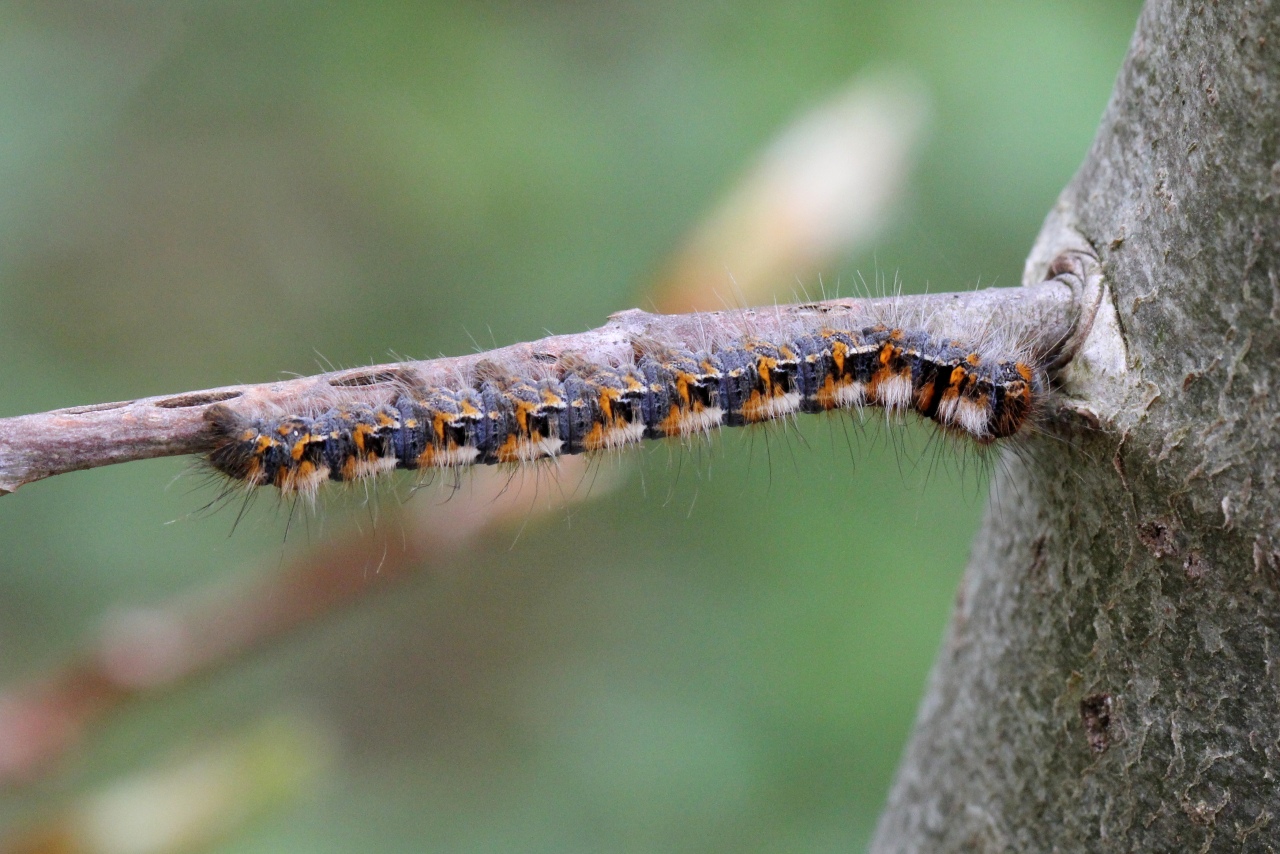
[142, 651]
[33, 447]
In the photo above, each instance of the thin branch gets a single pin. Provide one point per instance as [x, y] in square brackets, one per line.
[146, 650]
[33, 447]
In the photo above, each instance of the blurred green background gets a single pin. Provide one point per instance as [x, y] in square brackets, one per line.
[722, 654]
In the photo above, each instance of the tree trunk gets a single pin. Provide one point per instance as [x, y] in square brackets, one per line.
[1110, 678]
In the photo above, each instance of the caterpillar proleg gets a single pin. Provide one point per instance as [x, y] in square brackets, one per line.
[642, 376]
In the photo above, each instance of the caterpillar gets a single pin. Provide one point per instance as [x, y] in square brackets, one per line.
[820, 357]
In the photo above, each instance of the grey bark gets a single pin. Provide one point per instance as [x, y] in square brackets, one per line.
[1110, 680]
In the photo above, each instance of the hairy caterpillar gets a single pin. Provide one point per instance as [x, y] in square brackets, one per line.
[649, 382]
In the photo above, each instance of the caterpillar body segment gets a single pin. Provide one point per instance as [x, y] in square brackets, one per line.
[570, 405]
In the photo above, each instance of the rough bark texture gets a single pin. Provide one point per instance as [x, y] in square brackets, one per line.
[1110, 679]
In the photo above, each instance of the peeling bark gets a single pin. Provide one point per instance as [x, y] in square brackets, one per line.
[1109, 681]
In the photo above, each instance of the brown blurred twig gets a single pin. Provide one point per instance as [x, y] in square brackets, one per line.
[145, 650]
